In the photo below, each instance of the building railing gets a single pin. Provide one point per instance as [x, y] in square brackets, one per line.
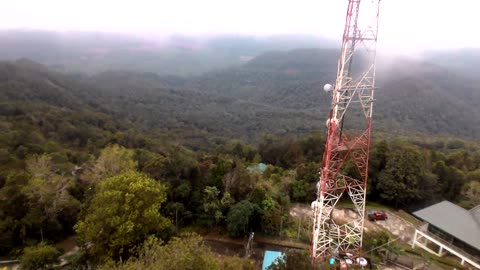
[464, 257]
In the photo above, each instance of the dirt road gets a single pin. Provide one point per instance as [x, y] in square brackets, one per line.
[394, 224]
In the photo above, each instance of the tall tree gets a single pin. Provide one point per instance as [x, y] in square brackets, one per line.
[48, 195]
[405, 180]
[238, 182]
[239, 217]
[212, 208]
[450, 180]
[113, 160]
[124, 210]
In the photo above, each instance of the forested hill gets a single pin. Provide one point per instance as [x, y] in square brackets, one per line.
[184, 150]
[276, 93]
[412, 95]
[428, 98]
[83, 109]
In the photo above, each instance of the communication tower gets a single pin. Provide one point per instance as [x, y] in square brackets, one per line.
[349, 127]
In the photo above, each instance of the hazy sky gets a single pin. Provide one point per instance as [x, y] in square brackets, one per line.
[406, 24]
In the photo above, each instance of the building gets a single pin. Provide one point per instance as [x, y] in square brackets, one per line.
[449, 228]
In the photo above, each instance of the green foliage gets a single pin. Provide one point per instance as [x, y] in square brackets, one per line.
[41, 256]
[450, 189]
[236, 263]
[404, 180]
[241, 150]
[113, 160]
[308, 172]
[238, 182]
[47, 192]
[374, 239]
[184, 253]
[284, 153]
[471, 194]
[212, 206]
[124, 210]
[239, 218]
[299, 191]
[54, 125]
[36, 203]
[14, 207]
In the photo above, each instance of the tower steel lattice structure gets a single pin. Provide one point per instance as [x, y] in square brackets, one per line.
[348, 136]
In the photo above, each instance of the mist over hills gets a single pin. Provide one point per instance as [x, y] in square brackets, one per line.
[464, 61]
[412, 95]
[91, 52]
[276, 92]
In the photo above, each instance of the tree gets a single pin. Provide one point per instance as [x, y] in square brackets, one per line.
[405, 180]
[237, 263]
[372, 240]
[377, 163]
[14, 206]
[450, 180]
[313, 147]
[286, 153]
[240, 150]
[271, 216]
[42, 256]
[113, 160]
[238, 182]
[308, 172]
[471, 194]
[299, 191]
[239, 217]
[124, 210]
[185, 253]
[211, 205]
[48, 196]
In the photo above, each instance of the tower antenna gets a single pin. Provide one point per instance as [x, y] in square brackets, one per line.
[352, 95]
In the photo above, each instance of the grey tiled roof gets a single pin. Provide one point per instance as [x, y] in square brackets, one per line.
[476, 213]
[454, 220]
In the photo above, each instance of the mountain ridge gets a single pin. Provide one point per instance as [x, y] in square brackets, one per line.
[247, 102]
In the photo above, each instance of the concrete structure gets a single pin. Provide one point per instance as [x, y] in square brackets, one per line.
[449, 228]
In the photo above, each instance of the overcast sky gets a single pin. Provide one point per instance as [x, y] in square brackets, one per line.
[409, 24]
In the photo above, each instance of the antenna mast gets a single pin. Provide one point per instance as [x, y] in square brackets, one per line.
[352, 95]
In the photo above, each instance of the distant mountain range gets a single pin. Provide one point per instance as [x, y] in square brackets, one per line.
[276, 92]
[90, 52]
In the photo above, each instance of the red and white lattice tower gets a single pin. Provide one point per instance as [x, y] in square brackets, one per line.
[349, 127]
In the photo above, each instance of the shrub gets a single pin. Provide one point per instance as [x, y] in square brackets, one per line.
[41, 256]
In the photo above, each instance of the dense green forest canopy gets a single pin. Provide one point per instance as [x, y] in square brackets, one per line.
[76, 148]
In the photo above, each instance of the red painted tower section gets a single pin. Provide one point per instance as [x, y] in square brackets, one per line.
[348, 135]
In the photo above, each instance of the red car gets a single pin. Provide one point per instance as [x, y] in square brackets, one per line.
[377, 216]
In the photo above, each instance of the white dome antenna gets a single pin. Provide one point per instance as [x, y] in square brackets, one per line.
[327, 87]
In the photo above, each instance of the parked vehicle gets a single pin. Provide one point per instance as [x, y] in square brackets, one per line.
[377, 215]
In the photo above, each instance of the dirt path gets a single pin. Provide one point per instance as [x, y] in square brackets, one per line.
[398, 227]
[394, 224]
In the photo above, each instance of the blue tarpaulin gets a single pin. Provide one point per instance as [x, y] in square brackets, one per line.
[259, 168]
[270, 257]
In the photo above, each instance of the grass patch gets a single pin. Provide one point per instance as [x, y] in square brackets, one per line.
[443, 262]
